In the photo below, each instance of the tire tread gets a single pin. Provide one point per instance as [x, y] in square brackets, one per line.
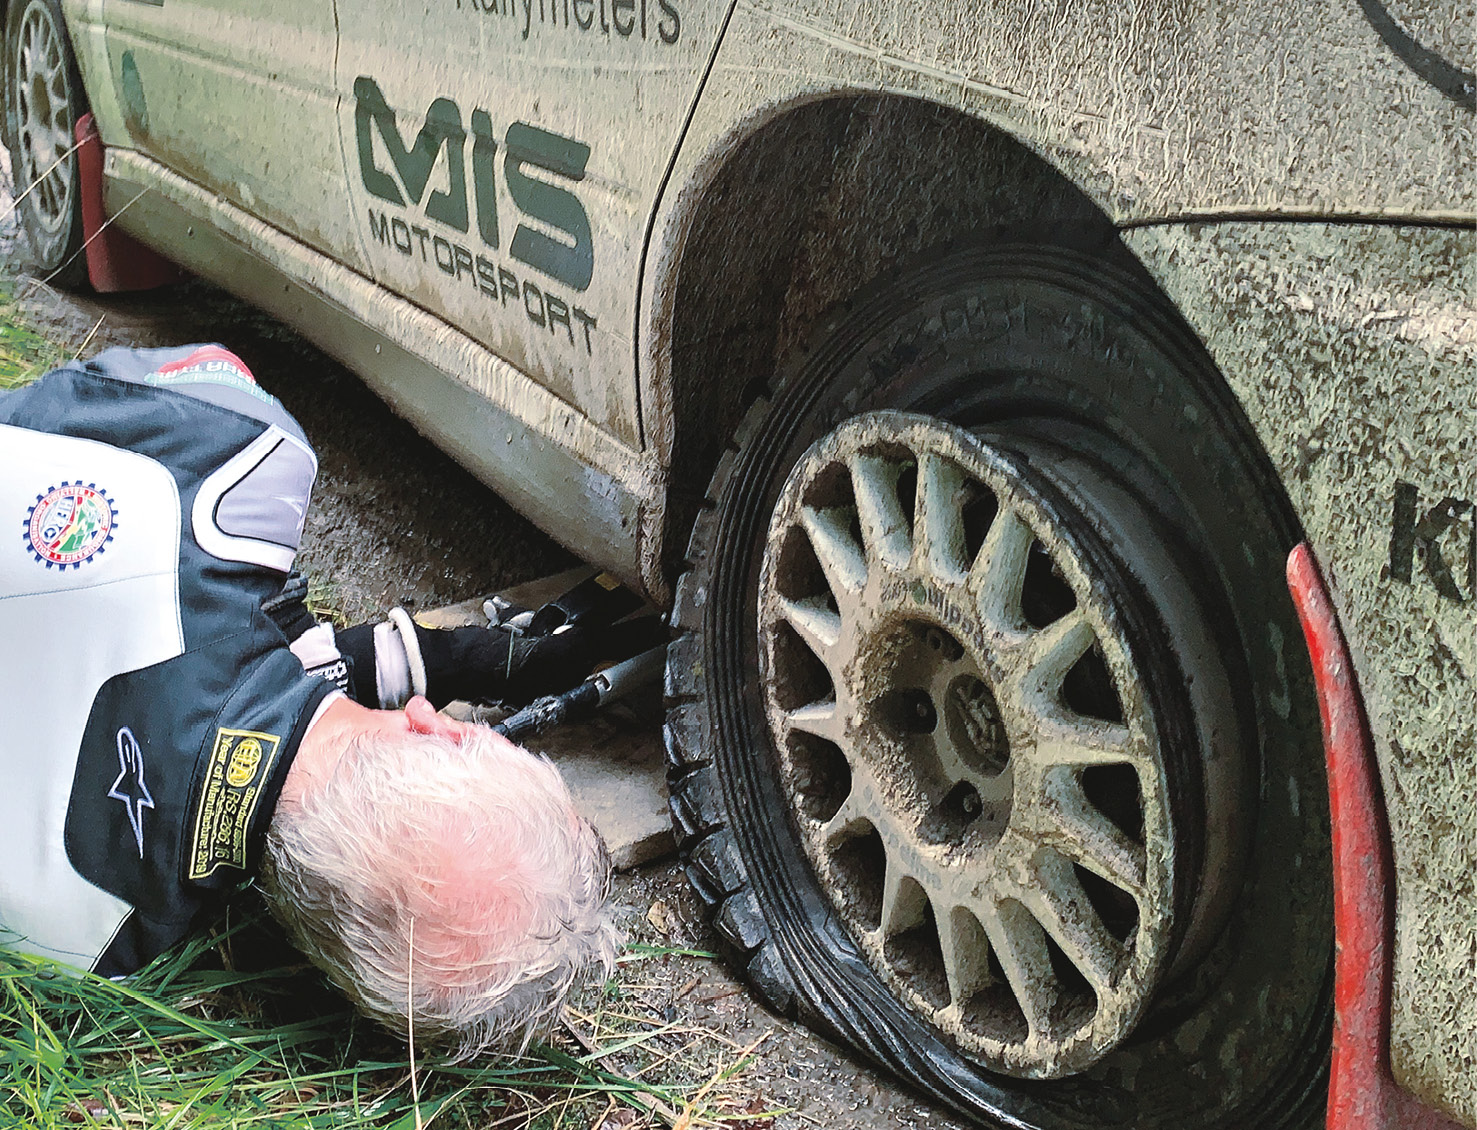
[709, 855]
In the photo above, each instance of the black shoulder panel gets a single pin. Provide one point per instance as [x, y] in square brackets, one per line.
[180, 769]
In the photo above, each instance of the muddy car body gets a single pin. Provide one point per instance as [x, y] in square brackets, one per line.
[1178, 286]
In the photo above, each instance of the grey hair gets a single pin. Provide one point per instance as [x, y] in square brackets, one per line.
[473, 845]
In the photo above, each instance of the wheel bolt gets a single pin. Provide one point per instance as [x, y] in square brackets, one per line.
[962, 807]
[944, 644]
[923, 715]
[908, 712]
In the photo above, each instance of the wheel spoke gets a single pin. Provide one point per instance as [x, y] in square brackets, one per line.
[1061, 906]
[841, 559]
[999, 571]
[1049, 654]
[820, 719]
[965, 949]
[848, 821]
[1085, 743]
[938, 519]
[1101, 848]
[885, 530]
[1089, 838]
[904, 902]
[817, 625]
[1020, 945]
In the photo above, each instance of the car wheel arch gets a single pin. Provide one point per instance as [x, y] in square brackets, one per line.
[789, 216]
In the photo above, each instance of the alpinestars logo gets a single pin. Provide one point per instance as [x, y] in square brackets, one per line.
[130, 787]
[70, 524]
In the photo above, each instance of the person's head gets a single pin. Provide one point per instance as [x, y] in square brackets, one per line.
[437, 872]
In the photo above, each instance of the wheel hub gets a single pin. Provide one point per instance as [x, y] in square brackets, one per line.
[972, 754]
[931, 705]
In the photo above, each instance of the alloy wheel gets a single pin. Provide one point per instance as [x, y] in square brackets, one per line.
[44, 121]
[976, 759]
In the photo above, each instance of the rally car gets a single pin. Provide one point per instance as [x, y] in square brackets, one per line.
[969, 378]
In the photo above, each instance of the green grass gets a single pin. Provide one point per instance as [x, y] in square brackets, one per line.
[323, 602]
[192, 1042]
[24, 353]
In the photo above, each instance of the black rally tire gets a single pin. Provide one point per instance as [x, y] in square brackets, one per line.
[50, 213]
[1055, 349]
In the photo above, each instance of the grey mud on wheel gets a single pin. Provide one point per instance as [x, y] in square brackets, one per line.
[43, 101]
[989, 740]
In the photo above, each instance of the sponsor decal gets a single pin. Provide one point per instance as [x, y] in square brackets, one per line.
[240, 762]
[539, 168]
[658, 20]
[70, 524]
[130, 787]
[1441, 538]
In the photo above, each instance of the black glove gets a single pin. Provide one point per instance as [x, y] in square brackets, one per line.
[495, 664]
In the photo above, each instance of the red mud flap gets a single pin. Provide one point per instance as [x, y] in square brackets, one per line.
[1362, 1094]
[115, 261]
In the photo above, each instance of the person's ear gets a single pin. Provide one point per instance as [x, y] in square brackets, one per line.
[423, 718]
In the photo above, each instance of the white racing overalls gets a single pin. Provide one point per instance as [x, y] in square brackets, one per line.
[149, 709]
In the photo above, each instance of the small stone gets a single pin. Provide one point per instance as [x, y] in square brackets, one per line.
[660, 917]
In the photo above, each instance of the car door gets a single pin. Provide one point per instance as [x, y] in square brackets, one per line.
[503, 159]
[238, 96]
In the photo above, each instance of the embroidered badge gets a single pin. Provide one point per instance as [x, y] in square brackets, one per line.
[70, 524]
[243, 764]
[130, 787]
[240, 763]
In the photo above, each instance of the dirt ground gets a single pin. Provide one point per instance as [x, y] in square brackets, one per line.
[396, 522]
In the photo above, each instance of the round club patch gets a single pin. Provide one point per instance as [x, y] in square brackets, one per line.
[70, 524]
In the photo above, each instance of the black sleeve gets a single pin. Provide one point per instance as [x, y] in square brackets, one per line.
[468, 663]
[461, 663]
